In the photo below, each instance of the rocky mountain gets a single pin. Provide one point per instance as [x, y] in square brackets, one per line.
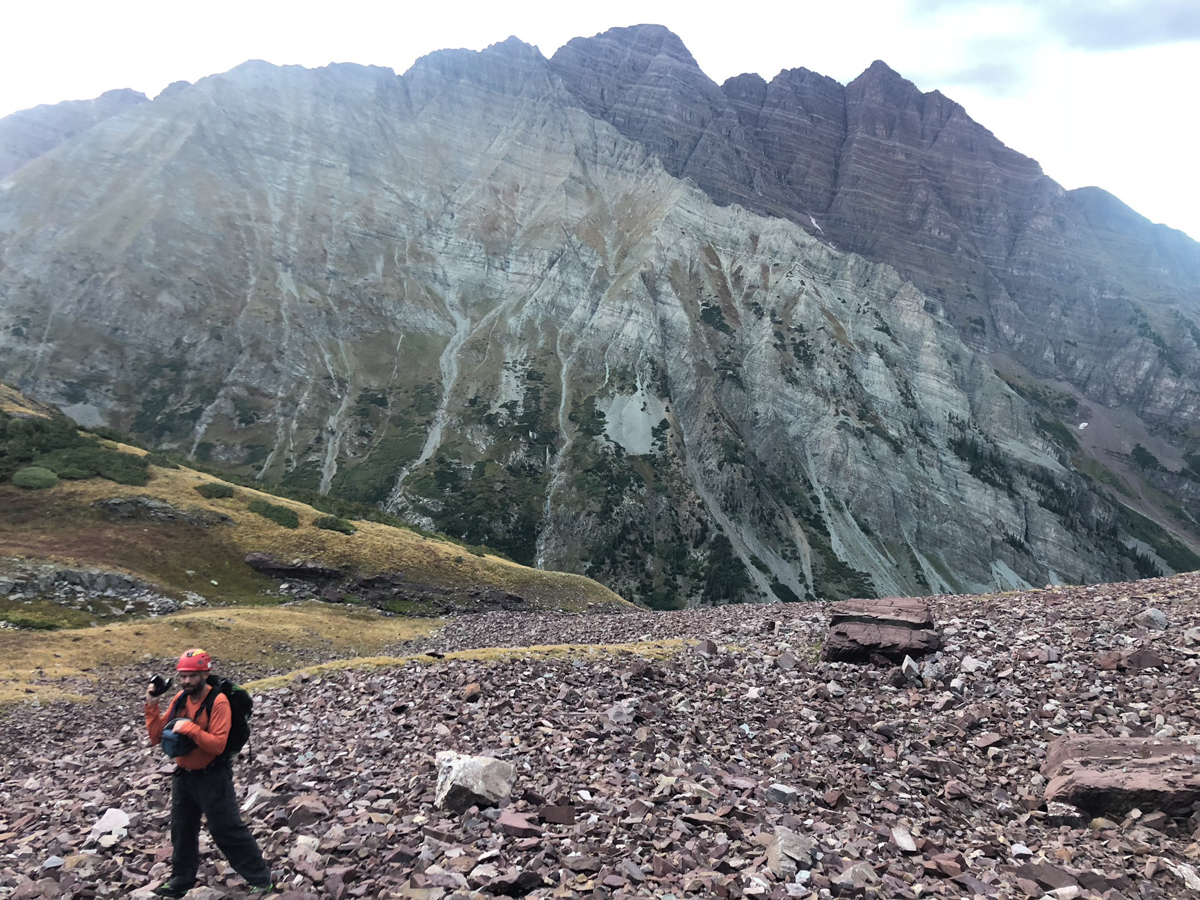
[26, 135]
[701, 343]
[1047, 277]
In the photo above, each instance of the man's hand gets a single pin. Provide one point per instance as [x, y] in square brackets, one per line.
[151, 697]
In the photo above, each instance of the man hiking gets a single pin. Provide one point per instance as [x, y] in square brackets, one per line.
[195, 732]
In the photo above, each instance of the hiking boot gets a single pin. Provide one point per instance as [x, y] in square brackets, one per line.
[169, 890]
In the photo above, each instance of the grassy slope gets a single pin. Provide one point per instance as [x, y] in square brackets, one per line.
[15, 403]
[312, 637]
[70, 664]
[60, 525]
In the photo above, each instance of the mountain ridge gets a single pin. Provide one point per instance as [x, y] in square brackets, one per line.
[458, 294]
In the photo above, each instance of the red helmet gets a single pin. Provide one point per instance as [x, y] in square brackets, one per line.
[194, 660]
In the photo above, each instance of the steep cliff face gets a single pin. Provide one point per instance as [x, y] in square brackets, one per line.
[28, 134]
[1068, 286]
[463, 294]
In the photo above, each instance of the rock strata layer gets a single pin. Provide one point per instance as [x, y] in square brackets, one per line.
[906, 177]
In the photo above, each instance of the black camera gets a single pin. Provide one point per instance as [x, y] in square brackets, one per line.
[159, 685]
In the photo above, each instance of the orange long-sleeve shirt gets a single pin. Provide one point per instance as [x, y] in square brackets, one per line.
[210, 734]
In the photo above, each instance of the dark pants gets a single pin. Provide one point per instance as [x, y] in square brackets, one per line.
[210, 793]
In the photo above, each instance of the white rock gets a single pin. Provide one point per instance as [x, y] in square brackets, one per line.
[857, 876]
[903, 839]
[466, 781]
[620, 713]
[1187, 874]
[788, 852]
[1152, 619]
[114, 821]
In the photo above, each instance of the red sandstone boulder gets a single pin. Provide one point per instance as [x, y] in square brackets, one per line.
[905, 612]
[1110, 776]
[858, 641]
[892, 627]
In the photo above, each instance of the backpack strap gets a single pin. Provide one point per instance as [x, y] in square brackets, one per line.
[215, 686]
[173, 709]
[207, 705]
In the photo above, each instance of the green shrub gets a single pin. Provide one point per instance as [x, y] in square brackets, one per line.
[89, 458]
[214, 490]
[111, 434]
[333, 523]
[280, 515]
[33, 624]
[35, 478]
[1145, 459]
[163, 462]
[783, 592]
[124, 468]
[73, 474]
[23, 440]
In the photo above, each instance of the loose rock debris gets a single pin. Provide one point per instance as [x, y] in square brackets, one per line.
[721, 773]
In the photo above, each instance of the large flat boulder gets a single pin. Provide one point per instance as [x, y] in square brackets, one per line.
[859, 641]
[905, 612]
[1111, 776]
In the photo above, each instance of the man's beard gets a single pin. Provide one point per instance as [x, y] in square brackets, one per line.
[195, 692]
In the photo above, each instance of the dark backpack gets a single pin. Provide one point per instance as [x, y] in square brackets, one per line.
[241, 707]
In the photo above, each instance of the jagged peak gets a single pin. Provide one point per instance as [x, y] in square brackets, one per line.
[880, 69]
[882, 79]
[262, 66]
[600, 69]
[124, 95]
[120, 96]
[175, 87]
[800, 75]
[256, 65]
[879, 76]
[648, 39]
[667, 41]
[512, 45]
[258, 72]
[511, 48]
[747, 80]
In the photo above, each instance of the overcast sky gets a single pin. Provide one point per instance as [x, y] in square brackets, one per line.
[1101, 92]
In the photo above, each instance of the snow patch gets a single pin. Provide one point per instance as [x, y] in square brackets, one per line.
[630, 419]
